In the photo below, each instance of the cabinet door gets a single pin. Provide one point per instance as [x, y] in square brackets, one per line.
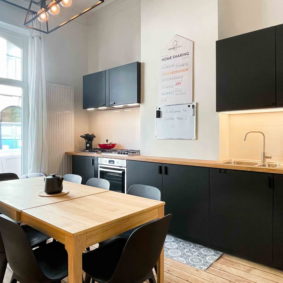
[241, 213]
[84, 166]
[124, 84]
[278, 222]
[279, 64]
[186, 193]
[94, 90]
[246, 71]
[147, 173]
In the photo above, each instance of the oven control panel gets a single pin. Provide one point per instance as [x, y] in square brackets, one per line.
[112, 162]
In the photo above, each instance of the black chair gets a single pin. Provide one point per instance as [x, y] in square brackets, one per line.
[138, 190]
[45, 264]
[128, 261]
[35, 237]
[8, 176]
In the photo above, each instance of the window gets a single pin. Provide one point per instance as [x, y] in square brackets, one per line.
[12, 88]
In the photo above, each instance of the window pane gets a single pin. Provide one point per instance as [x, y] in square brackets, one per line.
[10, 60]
[10, 118]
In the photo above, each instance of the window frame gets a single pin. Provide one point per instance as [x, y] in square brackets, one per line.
[20, 41]
[20, 38]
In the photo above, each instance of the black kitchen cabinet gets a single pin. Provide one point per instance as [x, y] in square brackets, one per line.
[279, 64]
[186, 193]
[278, 222]
[185, 190]
[94, 90]
[241, 213]
[147, 173]
[124, 84]
[246, 71]
[85, 166]
[117, 86]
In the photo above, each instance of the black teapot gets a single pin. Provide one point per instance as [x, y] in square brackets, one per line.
[53, 184]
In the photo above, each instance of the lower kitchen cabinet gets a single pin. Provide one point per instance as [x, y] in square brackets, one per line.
[186, 193]
[278, 222]
[241, 213]
[85, 166]
[147, 173]
[185, 190]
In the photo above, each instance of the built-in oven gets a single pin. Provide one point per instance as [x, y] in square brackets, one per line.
[113, 170]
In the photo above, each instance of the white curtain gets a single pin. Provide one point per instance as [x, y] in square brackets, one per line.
[34, 155]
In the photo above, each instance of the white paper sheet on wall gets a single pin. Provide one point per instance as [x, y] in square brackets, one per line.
[176, 121]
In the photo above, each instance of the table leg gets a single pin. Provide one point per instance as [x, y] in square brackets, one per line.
[160, 263]
[74, 260]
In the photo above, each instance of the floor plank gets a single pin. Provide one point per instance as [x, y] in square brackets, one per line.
[227, 269]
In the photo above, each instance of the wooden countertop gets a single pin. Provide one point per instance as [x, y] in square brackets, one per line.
[185, 161]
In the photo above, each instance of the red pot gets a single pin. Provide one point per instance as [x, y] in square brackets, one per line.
[107, 145]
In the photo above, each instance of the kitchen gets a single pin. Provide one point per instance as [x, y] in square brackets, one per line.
[220, 158]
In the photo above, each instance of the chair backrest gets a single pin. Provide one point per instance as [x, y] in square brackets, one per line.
[18, 252]
[99, 183]
[3, 260]
[141, 251]
[8, 176]
[144, 191]
[32, 175]
[73, 178]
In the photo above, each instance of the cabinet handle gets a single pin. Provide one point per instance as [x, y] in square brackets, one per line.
[92, 162]
[222, 171]
[165, 170]
[160, 171]
[271, 182]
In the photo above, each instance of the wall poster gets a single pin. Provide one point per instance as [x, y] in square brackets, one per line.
[176, 76]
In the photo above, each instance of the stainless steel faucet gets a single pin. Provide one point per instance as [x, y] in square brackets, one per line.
[263, 155]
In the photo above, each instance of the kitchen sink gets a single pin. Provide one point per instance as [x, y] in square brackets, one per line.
[241, 163]
[251, 163]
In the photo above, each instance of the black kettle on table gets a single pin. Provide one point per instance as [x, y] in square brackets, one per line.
[53, 184]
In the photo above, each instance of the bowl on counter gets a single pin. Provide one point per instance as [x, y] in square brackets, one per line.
[107, 145]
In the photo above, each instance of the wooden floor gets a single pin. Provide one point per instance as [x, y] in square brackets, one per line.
[226, 269]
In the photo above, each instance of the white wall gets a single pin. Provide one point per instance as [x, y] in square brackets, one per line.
[113, 40]
[197, 20]
[241, 16]
[66, 63]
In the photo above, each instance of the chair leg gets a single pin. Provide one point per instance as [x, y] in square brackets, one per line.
[3, 266]
[13, 280]
[87, 278]
[151, 278]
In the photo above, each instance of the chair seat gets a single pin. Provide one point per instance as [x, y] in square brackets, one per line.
[35, 237]
[53, 260]
[101, 263]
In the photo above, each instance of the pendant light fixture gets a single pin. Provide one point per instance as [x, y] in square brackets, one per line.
[49, 15]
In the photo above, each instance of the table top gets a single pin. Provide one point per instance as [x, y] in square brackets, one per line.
[91, 212]
[24, 193]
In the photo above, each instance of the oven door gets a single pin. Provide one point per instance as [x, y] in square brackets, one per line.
[115, 175]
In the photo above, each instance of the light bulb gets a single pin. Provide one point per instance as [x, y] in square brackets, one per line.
[43, 16]
[54, 8]
[66, 3]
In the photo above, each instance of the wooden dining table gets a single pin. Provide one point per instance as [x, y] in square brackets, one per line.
[85, 216]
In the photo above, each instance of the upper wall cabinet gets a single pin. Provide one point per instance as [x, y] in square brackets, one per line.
[113, 87]
[124, 84]
[94, 90]
[246, 70]
[279, 65]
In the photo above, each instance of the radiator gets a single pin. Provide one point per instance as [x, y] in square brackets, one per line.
[60, 127]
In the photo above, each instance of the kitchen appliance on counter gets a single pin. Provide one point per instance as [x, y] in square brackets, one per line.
[117, 152]
[115, 171]
[88, 141]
